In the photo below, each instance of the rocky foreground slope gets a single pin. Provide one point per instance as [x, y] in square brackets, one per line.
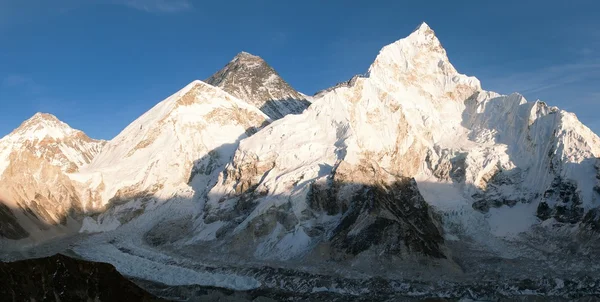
[61, 278]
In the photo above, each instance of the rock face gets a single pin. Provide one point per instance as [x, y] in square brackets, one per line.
[393, 219]
[9, 226]
[250, 78]
[41, 196]
[61, 278]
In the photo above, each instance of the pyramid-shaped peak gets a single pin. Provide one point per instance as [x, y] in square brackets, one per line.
[423, 28]
[423, 35]
[252, 79]
[420, 55]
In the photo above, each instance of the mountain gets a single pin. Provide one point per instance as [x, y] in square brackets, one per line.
[410, 180]
[394, 163]
[174, 147]
[50, 140]
[37, 197]
[250, 78]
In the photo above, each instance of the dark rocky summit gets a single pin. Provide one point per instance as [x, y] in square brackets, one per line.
[250, 78]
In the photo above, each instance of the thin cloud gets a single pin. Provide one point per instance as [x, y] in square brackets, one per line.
[586, 51]
[547, 78]
[160, 6]
[592, 98]
[17, 81]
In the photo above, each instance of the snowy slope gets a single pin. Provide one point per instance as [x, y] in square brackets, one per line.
[250, 78]
[194, 131]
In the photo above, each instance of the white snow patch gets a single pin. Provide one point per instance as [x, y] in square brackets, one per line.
[511, 221]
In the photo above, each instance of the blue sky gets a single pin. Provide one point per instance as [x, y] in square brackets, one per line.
[99, 64]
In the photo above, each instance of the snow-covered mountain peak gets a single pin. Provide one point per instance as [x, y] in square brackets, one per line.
[44, 116]
[34, 161]
[424, 27]
[419, 61]
[250, 78]
[425, 35]
[51, 140]
[42, 125]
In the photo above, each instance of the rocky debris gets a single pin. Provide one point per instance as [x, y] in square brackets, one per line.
[562, 202]
[250, 78]
[294, 286]
[61, 278]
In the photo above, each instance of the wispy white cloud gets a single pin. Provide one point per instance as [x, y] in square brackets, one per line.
[17, 81]
[16, 13]
[586, 51]
[14, 80]
[160, 6]
[547, 78]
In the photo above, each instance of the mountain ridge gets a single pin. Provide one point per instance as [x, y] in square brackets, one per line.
[411, 163]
